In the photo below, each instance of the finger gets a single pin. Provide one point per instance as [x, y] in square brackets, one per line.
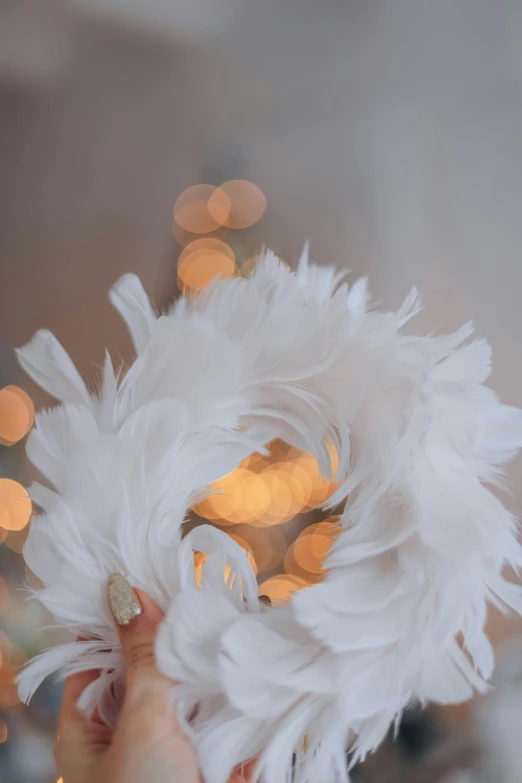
[74, 686]
[76, 737]
[137, 617]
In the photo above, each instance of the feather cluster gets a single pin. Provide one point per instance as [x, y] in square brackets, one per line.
[400, 615]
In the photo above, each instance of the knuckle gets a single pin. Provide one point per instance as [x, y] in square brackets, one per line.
[141, 655]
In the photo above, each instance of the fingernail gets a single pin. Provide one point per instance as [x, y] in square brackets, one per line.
[123, 600]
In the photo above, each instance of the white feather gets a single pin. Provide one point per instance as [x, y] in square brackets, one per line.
[423, 539]
[130, 300]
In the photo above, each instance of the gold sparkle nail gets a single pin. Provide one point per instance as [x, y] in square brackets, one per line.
[123, 600]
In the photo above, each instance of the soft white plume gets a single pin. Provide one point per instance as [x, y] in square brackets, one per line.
[400, 615]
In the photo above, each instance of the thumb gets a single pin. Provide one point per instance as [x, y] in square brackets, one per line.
[137, 618]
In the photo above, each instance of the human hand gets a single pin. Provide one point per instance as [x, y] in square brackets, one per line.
[147, 743]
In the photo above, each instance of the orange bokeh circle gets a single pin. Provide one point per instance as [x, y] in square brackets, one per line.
[191, 210]
[198, 269]
[280, 588]
[16, 415]
[247, 204]
[15, 505]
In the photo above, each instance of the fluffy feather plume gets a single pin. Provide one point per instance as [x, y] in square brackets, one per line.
[423, 545]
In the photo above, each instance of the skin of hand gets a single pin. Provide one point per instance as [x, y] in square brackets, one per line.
[147, 743]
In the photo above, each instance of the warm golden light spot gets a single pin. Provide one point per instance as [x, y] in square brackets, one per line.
[247, 204]
[16, 415]
[15, 505]
[256, 497]
[241, 497]
[313, 545]
[300, 484]
[322, 488]
[226, 503]
[204, 509]
[192, 213]
[282, 505]
[208, 244]
[3, 731]
[279, 507]
[268, 490]
[16, 539]
[280, 588]
[199, 268]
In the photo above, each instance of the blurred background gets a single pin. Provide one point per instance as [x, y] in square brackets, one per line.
[173, 138]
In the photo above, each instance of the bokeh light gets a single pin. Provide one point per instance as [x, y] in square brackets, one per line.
[309, 551]
[15, 539]
[266, 491]
[263, 505]
[192, 213]
[281, 587]
[247, 204]
[199, 268]
[224, 505]
[241, 496]
[321, 488]
[15, 505]
[280, 506]
[16, 415]
[3, 731]
[207, 244]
